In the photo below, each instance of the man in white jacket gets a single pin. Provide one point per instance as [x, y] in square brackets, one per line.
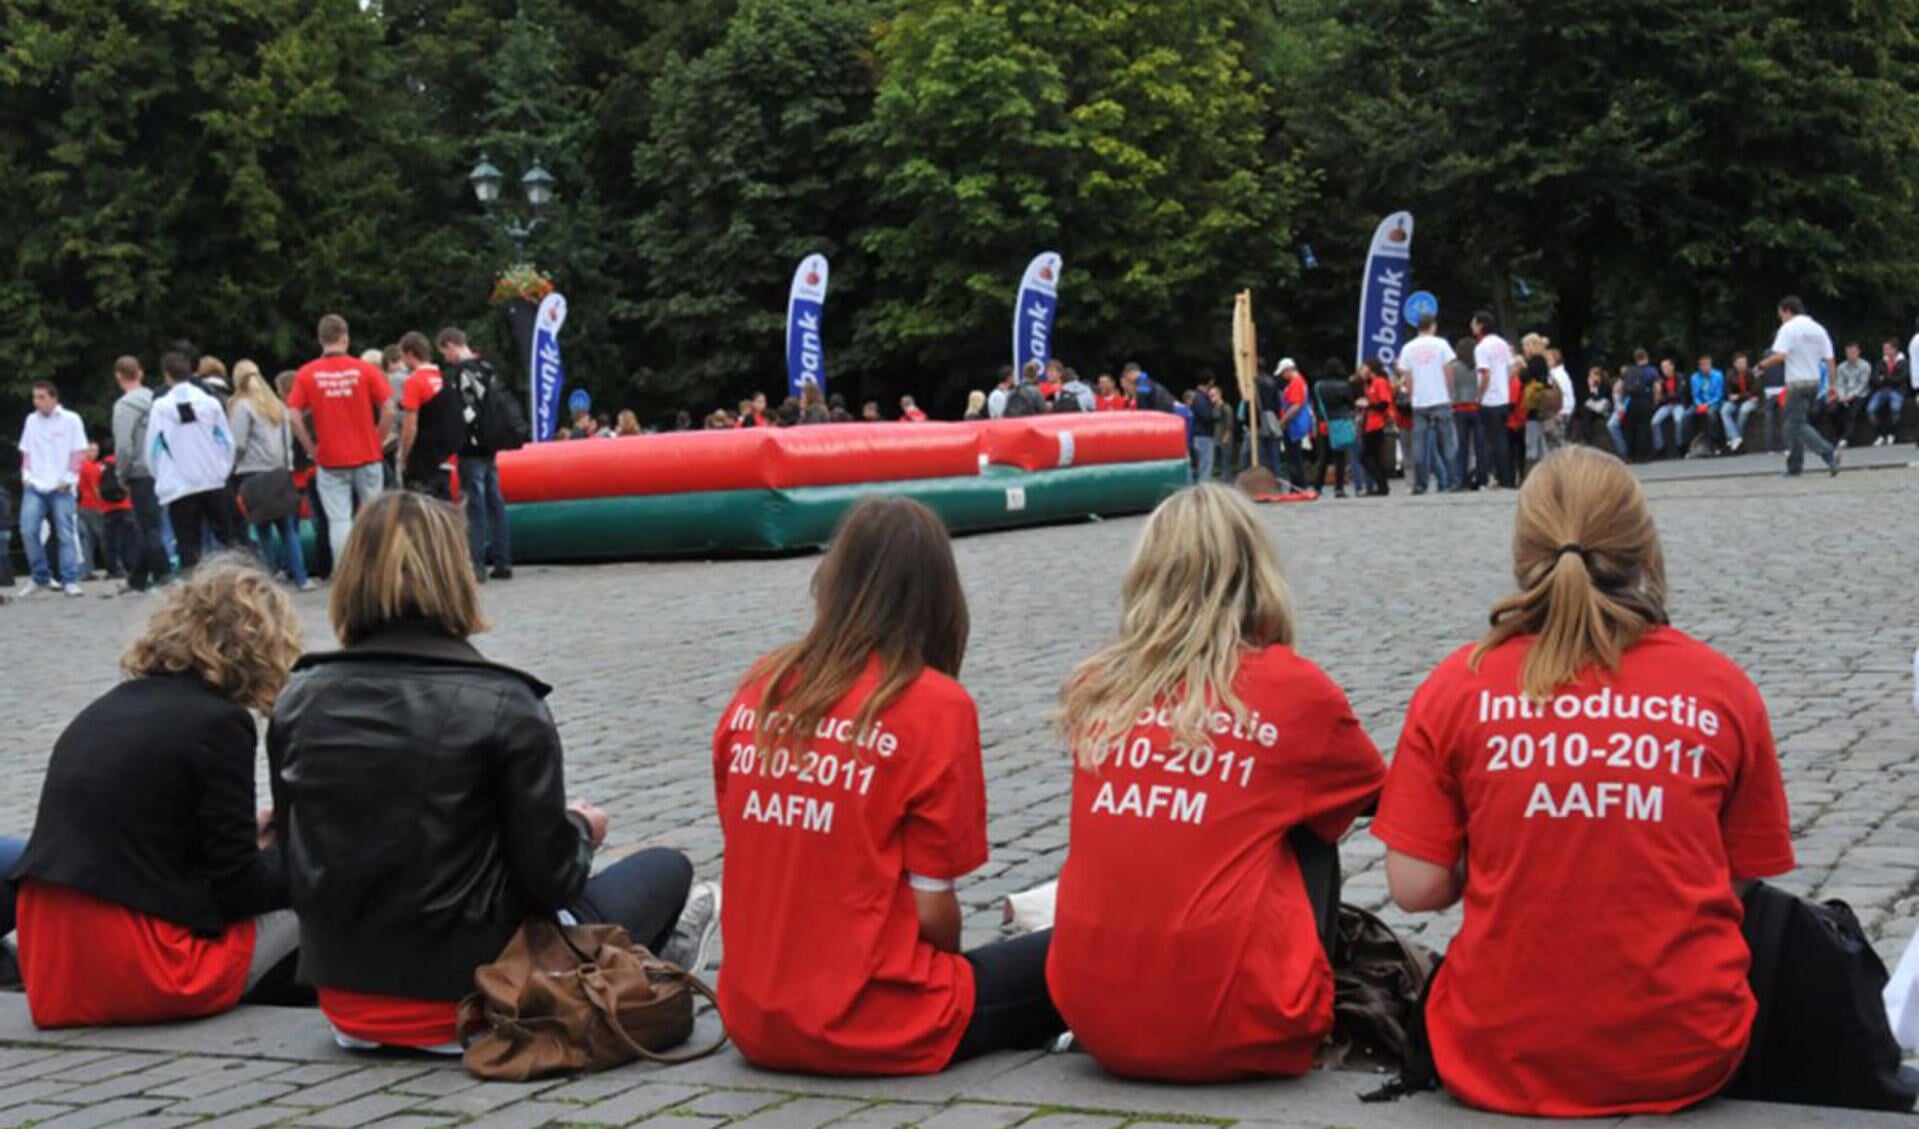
[190, 451]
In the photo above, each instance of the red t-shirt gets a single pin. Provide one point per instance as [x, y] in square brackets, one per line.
[423, 385]
[391, 1021]
[1379, 403]
[344, 394]
[1600, 968]
[1113, 403]
[90, 498]
[87, 962]
[826, 971]
[1184, 948]
[915, 415]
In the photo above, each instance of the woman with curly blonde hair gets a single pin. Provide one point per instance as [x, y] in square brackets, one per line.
[151, 890]
[1215, 769]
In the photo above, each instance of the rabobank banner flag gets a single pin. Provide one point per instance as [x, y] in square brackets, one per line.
[1034, 312]
[549, 377]
[805, 303]
[1389, 269]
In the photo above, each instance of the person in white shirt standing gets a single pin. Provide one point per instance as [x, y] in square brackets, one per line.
[190, 450]
[1493, 357]
[53, 444]
[1803, 345]
[1422, 367]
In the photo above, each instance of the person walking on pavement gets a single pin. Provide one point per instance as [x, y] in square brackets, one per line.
[53, 444]
[486, 525]
[131, 412]
[190, 448]
[343, 392]
[1803, 346]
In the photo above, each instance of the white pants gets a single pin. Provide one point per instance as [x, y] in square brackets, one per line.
[340, 489]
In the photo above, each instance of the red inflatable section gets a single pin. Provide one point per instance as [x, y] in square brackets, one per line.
[686, 462]
[1082, 439]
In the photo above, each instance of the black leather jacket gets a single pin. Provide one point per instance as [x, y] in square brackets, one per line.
[421, 809]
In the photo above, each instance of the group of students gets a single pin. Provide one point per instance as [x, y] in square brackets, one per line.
[1583, 749]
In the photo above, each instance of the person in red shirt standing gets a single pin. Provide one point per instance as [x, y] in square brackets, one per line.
[852, 797]
[432, 428]
[352, 408]
[910, 411]
[1600, 789]
[151, 889]
[105, 526]
[1108, 397]
[1185, 945]
[1376, 402]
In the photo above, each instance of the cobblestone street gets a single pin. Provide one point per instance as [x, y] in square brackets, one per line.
[1806, 583]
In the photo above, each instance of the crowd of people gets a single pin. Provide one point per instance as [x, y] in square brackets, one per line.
[221, 458]
[1582, 744]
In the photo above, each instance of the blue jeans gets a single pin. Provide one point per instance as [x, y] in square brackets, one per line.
[1204, 451]
[10, 852]
[1883, 409]
[1435, 448]
[485, 512]
[1676, 413]
[1734, 416]
[287, 554]
[62, 508]
[1470, 427]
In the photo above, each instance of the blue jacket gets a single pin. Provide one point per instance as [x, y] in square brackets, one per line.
[1708, 389]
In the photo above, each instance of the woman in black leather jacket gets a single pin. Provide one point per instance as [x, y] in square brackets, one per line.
[421, 800]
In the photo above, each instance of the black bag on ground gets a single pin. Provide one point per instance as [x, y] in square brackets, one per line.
[438, 434]
[1821, 1036]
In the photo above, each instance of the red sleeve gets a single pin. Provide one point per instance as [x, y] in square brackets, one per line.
[945, 829]
[1756, 823]
[301, 394]
[413, 395]
[722, 733]
[1421, 812]
[1346, 776]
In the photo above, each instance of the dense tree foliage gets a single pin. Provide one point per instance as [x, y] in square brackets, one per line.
[1614, 171]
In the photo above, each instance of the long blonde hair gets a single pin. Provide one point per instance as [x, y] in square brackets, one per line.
[1204, 586]
[1592, 578]
[406, 558]
[229, 625]
[252, 389]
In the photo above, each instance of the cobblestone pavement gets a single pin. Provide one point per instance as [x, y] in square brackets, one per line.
[1806, 583]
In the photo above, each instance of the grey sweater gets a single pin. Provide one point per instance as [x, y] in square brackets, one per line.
[258, 445]
[130, 414]
[1853, 379]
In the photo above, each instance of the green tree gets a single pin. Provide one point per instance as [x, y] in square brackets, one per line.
[217, 171]
[1130, 136]
[748, 167]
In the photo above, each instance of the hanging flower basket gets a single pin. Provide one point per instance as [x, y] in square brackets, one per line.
[522, 282]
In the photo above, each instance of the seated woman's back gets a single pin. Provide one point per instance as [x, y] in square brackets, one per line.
[1185, 946]
[1594, 783]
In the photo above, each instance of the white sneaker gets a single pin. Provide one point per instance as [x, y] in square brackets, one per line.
[31, 589]
[1842, 444]
[73, 590]
[1736, 444]
[691, 945]
[308, 585]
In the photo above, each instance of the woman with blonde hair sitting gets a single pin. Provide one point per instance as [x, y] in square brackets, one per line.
[150, 890]
[422, 798]
[263, 445]
[1189, 940]
[1599, 789]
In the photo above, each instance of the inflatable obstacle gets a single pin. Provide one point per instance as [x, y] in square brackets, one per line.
[769, 490]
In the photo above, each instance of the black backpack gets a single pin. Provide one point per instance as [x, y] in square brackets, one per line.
[1064, 401]
[1024, 400]
[440, 430]
[1821, 1036]
[111, 488]
[495, 421]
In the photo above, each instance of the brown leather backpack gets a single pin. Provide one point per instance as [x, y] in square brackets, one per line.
[569, 998]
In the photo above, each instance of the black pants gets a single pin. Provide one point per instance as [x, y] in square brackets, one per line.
[643, 894]
[1499, 450]
[194, 515]
[1336, 460]
[1012, 1010]
[1372, 453]
[1844, 413]
[148, 565]
[320, 561]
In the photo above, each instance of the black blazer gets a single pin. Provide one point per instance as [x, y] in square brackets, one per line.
[421, 804]
[149, 804]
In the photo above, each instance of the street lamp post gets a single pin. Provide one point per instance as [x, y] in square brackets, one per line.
[537, 184]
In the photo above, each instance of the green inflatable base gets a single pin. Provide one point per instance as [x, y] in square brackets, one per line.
[774, 521]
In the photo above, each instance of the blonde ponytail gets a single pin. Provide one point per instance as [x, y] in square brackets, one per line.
[1591, 576]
